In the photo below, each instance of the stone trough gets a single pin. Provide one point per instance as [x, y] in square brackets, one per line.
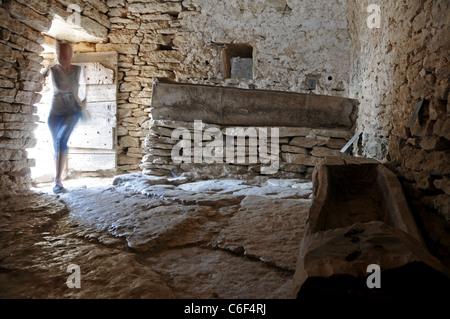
[244, 107]
[359, 219]
[283, 134]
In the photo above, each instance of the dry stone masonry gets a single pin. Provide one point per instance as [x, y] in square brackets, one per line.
[404, 63]
[242, 132]
[193, 41]
[20, 45]
[298, 151]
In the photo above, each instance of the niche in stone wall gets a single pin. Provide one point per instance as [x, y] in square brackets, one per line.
[238, 61]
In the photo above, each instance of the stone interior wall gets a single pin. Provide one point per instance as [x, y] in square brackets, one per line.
[186, 41]
[394, 67]
[19, 80]
[21, 42]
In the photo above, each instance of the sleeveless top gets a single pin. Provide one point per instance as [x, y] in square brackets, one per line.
[63, 101]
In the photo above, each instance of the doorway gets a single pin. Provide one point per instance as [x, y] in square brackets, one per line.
[93, 144]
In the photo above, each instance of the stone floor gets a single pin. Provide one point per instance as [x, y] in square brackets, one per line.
[138, 236]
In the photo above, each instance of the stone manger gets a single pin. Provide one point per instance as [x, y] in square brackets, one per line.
[309, 126]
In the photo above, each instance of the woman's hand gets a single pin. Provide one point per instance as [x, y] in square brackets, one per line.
[83, 104]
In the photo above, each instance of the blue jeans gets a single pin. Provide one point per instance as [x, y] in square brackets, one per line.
[61, 127]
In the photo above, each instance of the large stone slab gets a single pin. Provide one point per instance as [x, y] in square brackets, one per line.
[267, 229]
[214, 274]
[233, 106]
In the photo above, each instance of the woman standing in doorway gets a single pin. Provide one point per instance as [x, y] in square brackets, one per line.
[69, 99]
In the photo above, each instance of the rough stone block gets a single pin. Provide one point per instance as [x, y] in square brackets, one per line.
[163, 56]
[306, 142]
[436, 163]
[118, 47]
[29, 17]
[7, 95]
[293, 149]
[253, 107]
[157, 39]
[127, 160]
[324, 152]
[121, 36]
[160, 160]
[423, 180]
[422, 129]
[6, 53]
[442, 128]
[25, 97]
[128, 141]
[300, 159]
[434, 143]
[155, 7]
[442, 204]
[443, 184]
[17, 143]
[292, 168]
[11, 155]
[438, 110]
[97, 15]
[130, 86]
[336, 143]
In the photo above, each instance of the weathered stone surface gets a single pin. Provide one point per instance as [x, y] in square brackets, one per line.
[336, 143]
[301, 159]
[128, 141]
[409, 64]
[274, 249]
[29, 17]
[6, 53]
[221, 269]
[442, 128]
[306, 142]
[253, 108]
[17, 143]
[11, 155]
[26, 44]
[40, 7]
[324, 152]
[121, 48]
[7, 95]
[174, 228]
[14, 166]
[442, 204]
[443, 184]
[53, 252]
[293, 149]
[347, 227]
[127, 159]
[434, 143]
[155, 7]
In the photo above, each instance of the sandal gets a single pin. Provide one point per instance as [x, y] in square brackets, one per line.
[58, 189]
